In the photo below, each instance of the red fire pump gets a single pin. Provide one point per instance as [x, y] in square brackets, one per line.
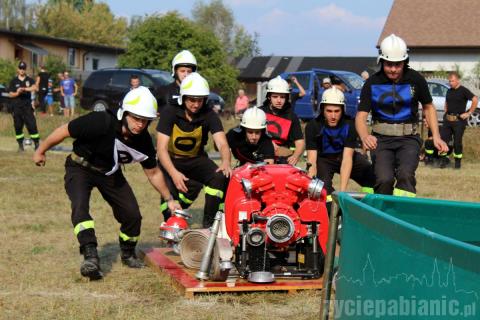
[275, 225]
[277, 220]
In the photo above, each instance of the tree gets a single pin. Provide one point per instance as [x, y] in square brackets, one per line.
[94, 23]
[8, 70]
[15, 15]
[219, 19]
[154, 42]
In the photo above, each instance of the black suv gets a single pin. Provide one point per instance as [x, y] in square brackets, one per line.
[106, 88]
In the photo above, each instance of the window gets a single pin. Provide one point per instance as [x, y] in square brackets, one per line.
[94, 64]
[98, 80]
[437, 90]
[121, 79]
[71, 56]
[145, 81]
[34, 60]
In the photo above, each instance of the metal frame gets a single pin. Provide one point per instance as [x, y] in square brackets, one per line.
[330, 257]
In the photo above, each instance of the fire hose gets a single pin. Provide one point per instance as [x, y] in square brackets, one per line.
[215, 264]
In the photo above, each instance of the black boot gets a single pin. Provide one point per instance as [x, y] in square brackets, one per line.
[36, 143]
[458, 163]
[90, 266]
[130, 259]
[444, 162]
[20, 146]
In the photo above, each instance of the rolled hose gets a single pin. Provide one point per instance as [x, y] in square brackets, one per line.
[192, 247]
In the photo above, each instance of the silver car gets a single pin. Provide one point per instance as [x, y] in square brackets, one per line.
[438, 89]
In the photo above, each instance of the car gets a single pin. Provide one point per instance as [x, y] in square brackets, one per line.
[105, 88]
[216, 102]
[4, 99]
[307, 107]
[438, 89]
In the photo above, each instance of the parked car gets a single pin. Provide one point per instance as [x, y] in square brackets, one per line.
[307, 107]
[438, 89]
[216, 102]
[106, 88]
[4, 99]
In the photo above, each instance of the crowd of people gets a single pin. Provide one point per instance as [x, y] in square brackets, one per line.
[178, 167]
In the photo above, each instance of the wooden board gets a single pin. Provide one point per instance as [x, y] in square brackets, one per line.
[164, 260]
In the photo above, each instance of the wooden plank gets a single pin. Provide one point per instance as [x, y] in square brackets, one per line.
[163, 260]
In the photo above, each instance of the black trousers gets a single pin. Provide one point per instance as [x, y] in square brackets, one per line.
[185, 199]
[362, 171]
[455, 129]
[23, 116]
[201, 171]
[396, 159]
[41, 101]
[79, 182]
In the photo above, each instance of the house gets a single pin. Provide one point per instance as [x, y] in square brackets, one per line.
[263, 68]
[81, 57]
[442, 35]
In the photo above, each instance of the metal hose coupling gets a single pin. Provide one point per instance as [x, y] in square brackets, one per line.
[203, 273]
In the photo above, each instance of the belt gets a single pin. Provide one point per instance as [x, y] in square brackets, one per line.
[451, 117]
[84, 163]
[395, 129]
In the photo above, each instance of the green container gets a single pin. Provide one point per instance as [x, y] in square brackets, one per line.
[408, 258]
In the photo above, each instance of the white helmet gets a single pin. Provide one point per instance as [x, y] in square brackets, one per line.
[254, 118]
[193, 85]
[333, 95]
[139, 102]
[184, 58]
[393, 49]
[278, 85]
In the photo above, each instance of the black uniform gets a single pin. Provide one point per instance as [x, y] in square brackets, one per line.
[98, 151]
[245, 152]
[456, 100]
[43, 90]
[22, 110]
[283, 126]
[186, 149]
[329, 142]
[396, 157]
[168, 96]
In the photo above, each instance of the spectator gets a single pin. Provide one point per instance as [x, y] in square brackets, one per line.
[326, 83]
[134, 81]
[242, 102]
[68, 89]
[294, 96]
[42, 86]
[365, 75]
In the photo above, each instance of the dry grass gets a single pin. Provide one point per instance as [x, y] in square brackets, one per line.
[39, 260]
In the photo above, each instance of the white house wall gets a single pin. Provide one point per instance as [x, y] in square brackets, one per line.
[104, 60]
[445, 60]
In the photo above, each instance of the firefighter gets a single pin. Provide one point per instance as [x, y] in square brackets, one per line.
[103, 142]
[20, 90]
[183, 64]
[456, 117]
[392, 95]
[282, 123]
[249, 142]
[331, 140]
[182, 135]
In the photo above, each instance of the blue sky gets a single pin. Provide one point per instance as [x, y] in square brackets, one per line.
[291, 27]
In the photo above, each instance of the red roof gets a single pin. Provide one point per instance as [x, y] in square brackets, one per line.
[435, 23]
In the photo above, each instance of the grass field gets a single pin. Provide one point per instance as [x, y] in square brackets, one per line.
[39, 260]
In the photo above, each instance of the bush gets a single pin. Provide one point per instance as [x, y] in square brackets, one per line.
[8, 69]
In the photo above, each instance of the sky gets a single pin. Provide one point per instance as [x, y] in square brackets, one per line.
[291, 27]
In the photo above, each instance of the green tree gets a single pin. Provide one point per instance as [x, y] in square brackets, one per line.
[54, 65]
[219, 19]
[8, 70]
[95, 23]
[154, 42]
[16, 15]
